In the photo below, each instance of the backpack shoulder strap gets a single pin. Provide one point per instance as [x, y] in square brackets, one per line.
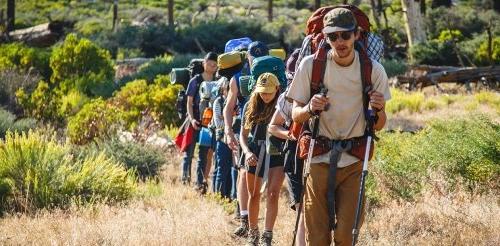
[319, 66]
[366, 79]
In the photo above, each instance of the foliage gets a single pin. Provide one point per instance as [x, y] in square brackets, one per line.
[400, 101]
[12, 80]
[8, 122]
[42, 103]
[144, 159]
[81, 64]
[20, 57]
[95, 119]
[394, 67]
[38, 172]
[434, 53]
[482, 56]
[463, 149]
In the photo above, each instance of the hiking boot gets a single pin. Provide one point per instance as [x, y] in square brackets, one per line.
[242, 231]
[253, 237]
[267, 238]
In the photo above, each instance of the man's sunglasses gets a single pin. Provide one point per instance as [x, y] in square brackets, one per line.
[344, 35]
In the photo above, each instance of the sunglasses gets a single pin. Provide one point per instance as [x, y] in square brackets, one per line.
[344, 35]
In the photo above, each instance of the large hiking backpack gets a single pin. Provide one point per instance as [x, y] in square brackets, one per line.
[314, 36]
[266, 64]
[182, 76]
[316, 44]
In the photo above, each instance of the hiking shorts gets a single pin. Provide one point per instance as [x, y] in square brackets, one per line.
[275, 161]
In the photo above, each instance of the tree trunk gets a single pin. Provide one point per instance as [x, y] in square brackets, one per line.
[270, 10]
[171, 13]
[376, 14]
[414, 23]
[317, 4]
[11, 14]
[422, 7]
[115, 14]
[439, 3]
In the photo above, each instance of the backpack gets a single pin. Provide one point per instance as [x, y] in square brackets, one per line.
[237, 44]
[315, 42]
[184, 75]
[230, 63]
[267, 64]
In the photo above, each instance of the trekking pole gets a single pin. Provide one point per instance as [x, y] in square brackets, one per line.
[364, 174]
[307, 166]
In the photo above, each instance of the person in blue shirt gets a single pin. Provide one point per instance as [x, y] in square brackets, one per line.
[193, 114]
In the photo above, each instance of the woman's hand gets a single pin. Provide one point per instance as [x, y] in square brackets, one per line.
[250, 159]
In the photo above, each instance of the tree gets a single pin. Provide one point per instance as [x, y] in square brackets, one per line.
[414, 23]
[376, 13]
[11, 14]
[270, 10]
[171, 13]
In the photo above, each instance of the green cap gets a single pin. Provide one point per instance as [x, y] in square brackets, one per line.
[338, 20]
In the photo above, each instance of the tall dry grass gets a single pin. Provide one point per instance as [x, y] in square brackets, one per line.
[172, 214]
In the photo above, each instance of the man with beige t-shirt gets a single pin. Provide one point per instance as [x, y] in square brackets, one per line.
[342, 117]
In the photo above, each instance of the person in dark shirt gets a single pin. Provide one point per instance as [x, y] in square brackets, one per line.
[193, 114]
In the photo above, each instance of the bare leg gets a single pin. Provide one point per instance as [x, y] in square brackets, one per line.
[242, 189]
[253, 185]
[275, 180]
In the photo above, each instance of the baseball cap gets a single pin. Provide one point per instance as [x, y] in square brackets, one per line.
[338, 20]
[267, 83]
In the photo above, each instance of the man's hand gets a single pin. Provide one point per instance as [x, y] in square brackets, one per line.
[377, 100]
[318, 103]
[195, 124]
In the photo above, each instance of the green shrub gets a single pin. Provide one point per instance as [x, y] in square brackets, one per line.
[146, 160]
[158, 67]
[79, 63]
[96, 119]
[137, 97]
[37, 172]
[434, 52]
[6, 121]
[71, 103]
[11, 80]
[21, 57]
[463, 149]
[481, 56]
[394, 67]
[42, 103]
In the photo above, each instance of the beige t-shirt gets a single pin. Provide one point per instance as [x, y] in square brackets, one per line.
[345, 118]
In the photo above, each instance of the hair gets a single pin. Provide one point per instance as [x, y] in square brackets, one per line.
[259, 112]
[211, 56]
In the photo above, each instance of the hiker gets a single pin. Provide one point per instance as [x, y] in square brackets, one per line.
[223, 155]
[256, 117]
[342, 120]
[193, 100]
[280, 127]
[234, 106]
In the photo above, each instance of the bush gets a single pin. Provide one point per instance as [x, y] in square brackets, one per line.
[21, 57]
[11, 81]
[37, 172]
[394, 67]
[434, 53]
[80, 64]
[400, 101]
[144, 159]
[137, 97]
[42, 103]
[8, 123]
[482, 57]
[159, 66]
[95, 119]
[463, 149]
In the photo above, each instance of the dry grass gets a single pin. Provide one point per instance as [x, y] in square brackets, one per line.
[179, 216]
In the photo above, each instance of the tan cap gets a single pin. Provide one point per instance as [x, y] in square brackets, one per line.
[267, 83]
[338, 20]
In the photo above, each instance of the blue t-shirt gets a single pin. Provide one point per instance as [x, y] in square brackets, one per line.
[193, 91]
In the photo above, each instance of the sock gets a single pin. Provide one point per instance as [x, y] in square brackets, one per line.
[244, 212]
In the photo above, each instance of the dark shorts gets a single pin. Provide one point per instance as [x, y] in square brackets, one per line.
[275, 161]
[293, 172]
